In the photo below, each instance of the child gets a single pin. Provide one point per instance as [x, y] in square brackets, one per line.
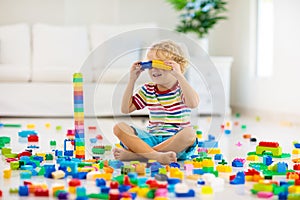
[169, 99]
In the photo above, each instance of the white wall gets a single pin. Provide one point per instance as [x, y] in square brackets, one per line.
[87, 12]
[233, 37]
[279, 93]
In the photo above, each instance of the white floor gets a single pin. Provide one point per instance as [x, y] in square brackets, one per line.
[283, 132]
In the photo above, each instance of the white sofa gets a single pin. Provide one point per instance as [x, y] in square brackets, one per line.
[37, 63]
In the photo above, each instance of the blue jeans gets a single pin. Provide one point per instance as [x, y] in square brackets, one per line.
[153, 140]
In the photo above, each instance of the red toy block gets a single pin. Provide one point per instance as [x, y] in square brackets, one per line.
[74, 182]
[39, 192]
[33, 138]
[269, 144]
[24, 153]
[296, 167]
[232, 177]
[92, 128]
[27, 183]
[297, 182]
[251, 172]
[1, 193]
[11, 159]
[152, 183]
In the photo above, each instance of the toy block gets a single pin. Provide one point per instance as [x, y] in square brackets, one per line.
[39, 192]
[239, 179]
[264, 195]
[237, 163]
[23, 190]
[282, 167]
[224, 168]
[6, 173]
[252, 158]
[214, 151]
[296, 167]
[267, 160]
[276, 151]
[208, 144]
[296, 151]
[5, 151]
[59, 174]
[207, 163]
[206, 190]
[269, 144]
[30, 126]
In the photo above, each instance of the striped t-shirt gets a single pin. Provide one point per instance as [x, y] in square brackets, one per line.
[168, 113]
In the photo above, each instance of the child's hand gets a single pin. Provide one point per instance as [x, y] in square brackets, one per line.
[135, 71]
[176, 71]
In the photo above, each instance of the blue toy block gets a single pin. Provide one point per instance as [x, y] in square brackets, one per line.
[267, 160]
[104, 189]
[31, 163]
[23, 190]
[200, 181]
[239, 179]
[282, 167]
[26, 167]
[198, 171]
[132, 175]
[211, 137]
[116, 164]
[25, 159]
[25, 175]
[25, 133]
[58, 153]
[142, 180]
[190, 193]
[283, 196]
[81, 198]
[124, 188]
[100, 182]
[70, 165]
[49, 168]
[218, 157]
[175, 165]
[93, 140]
[146, 65]
[208, 144]
[33, 147]
[236, 163]
[80, 175]
[68, 153]
[38, 158]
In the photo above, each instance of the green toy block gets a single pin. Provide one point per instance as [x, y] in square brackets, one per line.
[12, 125]
[278, 189]
[11, 155]
[58, 128]
[98, 196]
[5, 151]
[14, 165]
[57, 192]
[107, 147]
[263, 187]
[40, 171]
[13, 190]
[5, 139]
[49, 156]
[79, 143]
[98, 150]
[84, 164]
[78, 110]
[276, 151]
[150, 194]
[293, 196]
[119, 179]
[162, 171]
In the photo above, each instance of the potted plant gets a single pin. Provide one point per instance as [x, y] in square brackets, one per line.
[199, 16]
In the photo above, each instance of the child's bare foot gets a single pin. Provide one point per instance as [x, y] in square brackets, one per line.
[125, 155]
[166, 158]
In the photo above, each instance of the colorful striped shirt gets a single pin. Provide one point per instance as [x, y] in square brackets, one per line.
[168, 113]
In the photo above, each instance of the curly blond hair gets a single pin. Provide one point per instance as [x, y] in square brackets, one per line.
[169, 50]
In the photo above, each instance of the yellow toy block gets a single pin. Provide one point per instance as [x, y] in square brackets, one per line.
[160, 198]
[193, 177]
[134, 190]
[199, 136]
[30, 126]
[214, 151]
[176, 173]
[142, 192]
[6, 173]
[80, 148]
[106, 177]
[72, 189]
[206, 190]
[47, 125]
[207, 163]
[296, 151]
[294, 189]
[160, 65]
[224, 168]
[252, 158]
[56, 188]
[197, 164]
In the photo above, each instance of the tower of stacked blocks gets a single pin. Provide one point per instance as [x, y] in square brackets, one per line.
[79, 116]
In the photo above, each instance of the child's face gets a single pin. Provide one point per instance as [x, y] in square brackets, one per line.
[160, 76]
